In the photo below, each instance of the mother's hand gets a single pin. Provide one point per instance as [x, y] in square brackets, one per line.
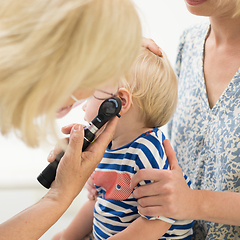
[169, 194]
[152, 46]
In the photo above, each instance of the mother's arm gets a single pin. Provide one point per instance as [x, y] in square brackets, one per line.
[170, 196]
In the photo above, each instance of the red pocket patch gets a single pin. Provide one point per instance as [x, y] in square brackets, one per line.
[117, 185]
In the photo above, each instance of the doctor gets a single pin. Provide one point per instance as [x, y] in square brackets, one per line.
[49, 51]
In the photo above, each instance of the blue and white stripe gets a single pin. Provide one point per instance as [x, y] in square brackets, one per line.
[112, 216]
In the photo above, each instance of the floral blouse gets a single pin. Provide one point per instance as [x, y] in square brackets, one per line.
[206, 141]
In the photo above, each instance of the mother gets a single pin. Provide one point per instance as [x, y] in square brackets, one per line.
[49, 51]
[205, 130]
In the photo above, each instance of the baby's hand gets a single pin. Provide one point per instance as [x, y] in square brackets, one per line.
[92, 192]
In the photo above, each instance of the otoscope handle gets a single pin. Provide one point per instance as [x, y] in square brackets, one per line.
[107, 110]
[47, 176]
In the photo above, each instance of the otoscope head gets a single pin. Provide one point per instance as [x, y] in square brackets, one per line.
[108, 109]
[111, 107]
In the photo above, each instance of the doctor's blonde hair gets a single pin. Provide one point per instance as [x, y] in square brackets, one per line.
[154, 88]
[51, 48]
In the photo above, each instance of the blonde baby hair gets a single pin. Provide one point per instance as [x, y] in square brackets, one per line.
[154, 86]
[51, 48]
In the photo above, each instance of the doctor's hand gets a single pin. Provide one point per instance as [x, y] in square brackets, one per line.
[169, 194]
[76, 166]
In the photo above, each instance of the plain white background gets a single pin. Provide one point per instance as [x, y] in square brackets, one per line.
[163, 21]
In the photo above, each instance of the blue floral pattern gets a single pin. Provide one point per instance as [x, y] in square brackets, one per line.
[207, 141]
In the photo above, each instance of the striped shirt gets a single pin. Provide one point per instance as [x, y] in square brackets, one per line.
[116, 208]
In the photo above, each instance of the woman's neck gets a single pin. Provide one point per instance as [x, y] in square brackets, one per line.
[221, 56]
[225, 30]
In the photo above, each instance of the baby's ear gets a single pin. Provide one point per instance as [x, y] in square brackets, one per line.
[126, 99]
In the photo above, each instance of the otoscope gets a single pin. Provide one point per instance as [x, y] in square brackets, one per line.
[108, 109]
